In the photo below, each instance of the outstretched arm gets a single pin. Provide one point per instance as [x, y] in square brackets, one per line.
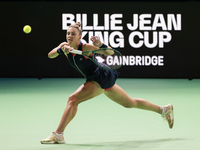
[96, 42]
[53, 53]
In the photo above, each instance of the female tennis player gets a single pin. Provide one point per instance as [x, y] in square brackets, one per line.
[98, 81]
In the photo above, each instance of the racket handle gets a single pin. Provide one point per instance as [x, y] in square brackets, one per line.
[76, 52]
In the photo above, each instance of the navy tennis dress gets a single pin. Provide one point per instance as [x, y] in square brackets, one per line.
[92, 72]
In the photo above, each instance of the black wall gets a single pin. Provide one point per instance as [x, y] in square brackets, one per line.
[25, 55]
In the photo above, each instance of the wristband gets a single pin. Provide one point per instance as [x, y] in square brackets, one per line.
[103, 46]
[60, 51]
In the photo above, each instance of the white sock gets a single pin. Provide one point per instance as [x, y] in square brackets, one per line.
[59, 134]
[161, 110]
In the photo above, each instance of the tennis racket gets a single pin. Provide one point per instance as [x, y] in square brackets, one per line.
[108, 62]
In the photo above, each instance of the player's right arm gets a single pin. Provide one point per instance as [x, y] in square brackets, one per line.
[53, 53]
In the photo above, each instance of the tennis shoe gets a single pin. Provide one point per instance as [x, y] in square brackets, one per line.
[53, 139]
[168, 114]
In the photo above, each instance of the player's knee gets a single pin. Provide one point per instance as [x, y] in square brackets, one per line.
[72, 100]
[137, 102]
[131, 104]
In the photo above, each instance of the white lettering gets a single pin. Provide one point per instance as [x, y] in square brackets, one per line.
[84, 23]
[143, 22]
[159, 21]
[120, 40]
[146, 40]
[67, 20]
[164, 37]
[131, 39]
[141, 60]
[135, 23]
[172, 21]
[95, 23]
[114, 21]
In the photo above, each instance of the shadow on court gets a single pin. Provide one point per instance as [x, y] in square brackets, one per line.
[121, 145]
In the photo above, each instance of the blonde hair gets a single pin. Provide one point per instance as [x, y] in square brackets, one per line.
[77, 25]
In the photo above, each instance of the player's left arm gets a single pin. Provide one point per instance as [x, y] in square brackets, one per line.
[97, 43]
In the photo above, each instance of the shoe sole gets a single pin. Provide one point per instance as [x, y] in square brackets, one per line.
[171, 116]
[53, 142]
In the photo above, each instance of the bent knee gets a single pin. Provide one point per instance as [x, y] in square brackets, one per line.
[131, 104]
[72, 100]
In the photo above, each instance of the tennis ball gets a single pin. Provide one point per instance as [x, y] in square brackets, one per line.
[27, 29]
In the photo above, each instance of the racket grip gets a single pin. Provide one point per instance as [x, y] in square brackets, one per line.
[76, 52]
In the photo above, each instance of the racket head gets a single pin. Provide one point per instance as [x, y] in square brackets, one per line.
[108, 62]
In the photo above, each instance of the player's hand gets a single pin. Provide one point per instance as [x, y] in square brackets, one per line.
[96, 41]
[66, 49]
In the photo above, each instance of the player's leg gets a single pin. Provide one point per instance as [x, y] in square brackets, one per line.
[117, 94]
[83, 93]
